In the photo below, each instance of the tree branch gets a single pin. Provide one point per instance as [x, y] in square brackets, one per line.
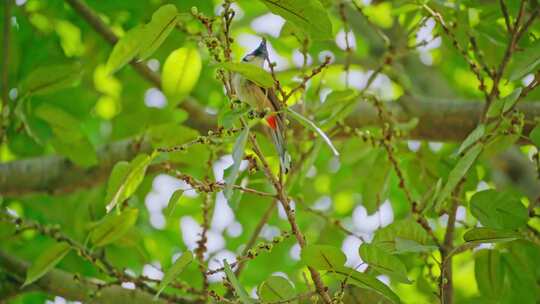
[197, 119]
[61, 283]
[437, 121]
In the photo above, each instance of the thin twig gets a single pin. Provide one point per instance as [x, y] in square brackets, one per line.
[284, 200]
[504, 10]
[445, 283]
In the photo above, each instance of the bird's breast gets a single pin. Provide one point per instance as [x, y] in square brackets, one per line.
[247, 91]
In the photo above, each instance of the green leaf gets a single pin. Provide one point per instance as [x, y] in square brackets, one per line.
[142, 40]
[113, 226]
[499, 210]
[79, 151]
[472, 138]
[69, 139]
[334, 103]
[522, 269]
[238, 155]
[535, 135]
[458, 172]
[502, 105]
[176, 269]
[228, 117]
[132, 180]
[117, 176]
[323, 257]
[125, 49]
[366, 281]
[240, 291]
[156, 31]
[489, 273]
[46, 261]
[432, 197]
[525, 62]
[311, 125]
[290, 29]
[392, 237]
[49, 79]
[309, 15]
[489, 235]
[384, 263]
[275, 289]
[375, 186]
[175, 200]
[181, 72]
[254, 73]
[405, 246]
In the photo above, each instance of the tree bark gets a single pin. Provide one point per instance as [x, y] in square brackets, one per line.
[437, 121]
[64, 284]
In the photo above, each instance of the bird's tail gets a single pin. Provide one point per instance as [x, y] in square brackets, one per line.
[278, 137]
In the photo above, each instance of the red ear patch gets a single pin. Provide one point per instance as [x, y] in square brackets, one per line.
[272, 122]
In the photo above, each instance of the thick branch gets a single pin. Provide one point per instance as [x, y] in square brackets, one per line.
[438, 121]
[58, 174]
[64, 284]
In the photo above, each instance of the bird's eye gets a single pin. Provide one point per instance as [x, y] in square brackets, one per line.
[247, 58]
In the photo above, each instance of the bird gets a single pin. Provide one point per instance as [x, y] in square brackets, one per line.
[264, 98]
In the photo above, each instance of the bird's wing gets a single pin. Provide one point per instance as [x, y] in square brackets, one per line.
[269, 100]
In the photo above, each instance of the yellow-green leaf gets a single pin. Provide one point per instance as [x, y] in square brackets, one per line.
[176, 269]
[68, 140]
[308, 15]
[502, 105]
[535, 135]
[384, 262]
[251, 72]
[240, 291]
[323, 257]
[238, 155]
[156, 31]
[46, 261]
[49, 79]
[472, 138]
[113, 226]
[125, 49]
[181, 72]
[363, 280]
[489, 273]
[117, 176]
[275, 289]
[457, 173]
[132, 180]
[175, 199]
[490, 235]
[499, 209]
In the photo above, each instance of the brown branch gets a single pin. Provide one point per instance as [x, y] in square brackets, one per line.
[322, 290]
[72, 287]
[438, 120]
[94, 258]
[514, 38]
[445, 283]
[504, 10]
